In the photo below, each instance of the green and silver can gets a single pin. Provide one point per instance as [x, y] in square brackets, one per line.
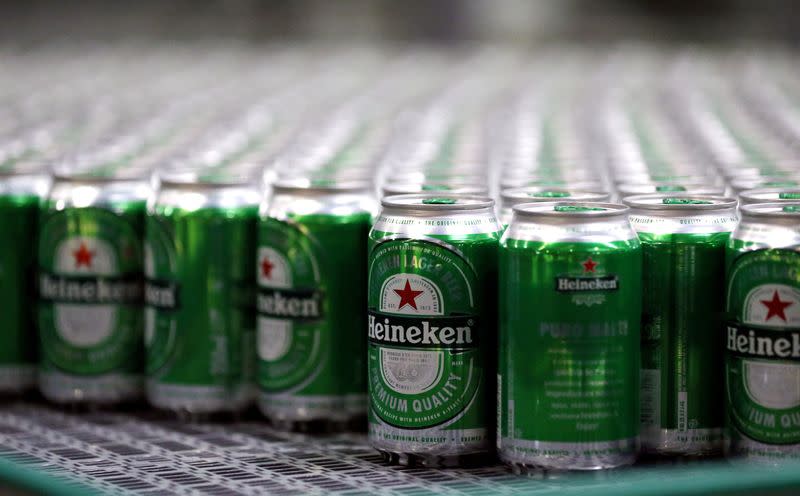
[762, 335]
[431, 361]
[537, 194]
[200, 293]
[312, 291]
[21, 191]
[683, 245]
[90, 289]
[570, 310]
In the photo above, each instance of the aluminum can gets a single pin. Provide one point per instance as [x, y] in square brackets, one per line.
[762, 335]
[570, 310]
[683, 245]
[538, 194]
[21, 191]
[200, 241]
[312, 291]
[431, 360]
[738, 185]
[428, 187]
[90, 289]
[769, 195]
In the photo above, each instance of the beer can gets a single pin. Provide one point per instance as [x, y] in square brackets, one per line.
[769, 195]
[391, 189]
[431, 357]
[21, 190]
[738, 185]
[762, 335]
[200, 240]
[90, 289]
[312, 291]
[683, 245]
[537, 194]
[569, 316]
[625, 190]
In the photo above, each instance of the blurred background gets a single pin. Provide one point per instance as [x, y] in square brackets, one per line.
[443, 21]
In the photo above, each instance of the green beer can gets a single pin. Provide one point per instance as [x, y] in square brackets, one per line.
[683, 240]
[431, 357]
[200, 240]
[90, 289]
[769, 195]
[570, 310]
[762, 335]
[312, 291]
[21, 190]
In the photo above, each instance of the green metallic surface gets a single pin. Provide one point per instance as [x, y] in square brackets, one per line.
[683, 290]
[203, 333]
[569, 359]
[324, 255]
[18, 216]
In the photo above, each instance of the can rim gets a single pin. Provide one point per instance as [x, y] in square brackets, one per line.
[471, 189]
[459, 203]
[770, 210]
[648, 202]
[522, 195]
[757, 195]
[548, 209]
[187, 178]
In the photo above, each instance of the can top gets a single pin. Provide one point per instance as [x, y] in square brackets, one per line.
[437, 202]
[679, 202]
[789, 211]
[449, 189]
[630, 189]
[200, 177]
[572, 210]
[323, 185]
[538, 194]
[764, 195]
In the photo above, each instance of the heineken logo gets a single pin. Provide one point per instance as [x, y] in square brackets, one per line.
[90, 290]
[161, 294]
[437, 332]
[776, 308]
[758, 342]
[303, 304]
[587, 281]
[83, 256]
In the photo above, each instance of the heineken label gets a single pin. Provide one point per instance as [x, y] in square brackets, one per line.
[762, 345]
[569, 347]
[18, 216]
[311, 296]
[199, 304]
[429, 355]
[91, 290]
[681, 323]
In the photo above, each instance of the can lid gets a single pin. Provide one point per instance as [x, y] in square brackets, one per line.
[450, 189]
[438, 201]
[630, 189]
[786, 211]
[679, 201]
[574, 210]
[194, 176]
[530, 194]
[322, 184]
[764, 195]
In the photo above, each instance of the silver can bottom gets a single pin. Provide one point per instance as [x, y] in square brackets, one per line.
[318, 414]
[105, 389]
[432, 447]
[690, 443]
[190, 401]
[16, 379]
[741, 446]
[525, 456]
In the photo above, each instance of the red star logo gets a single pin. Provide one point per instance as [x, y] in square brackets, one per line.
[775, 307]
[83, 256]
[266, 268]
[407, 296]
[589, 265]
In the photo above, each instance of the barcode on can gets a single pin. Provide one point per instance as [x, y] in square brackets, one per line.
[651, 397]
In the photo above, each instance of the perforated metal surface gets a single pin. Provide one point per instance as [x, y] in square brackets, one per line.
[132, 453]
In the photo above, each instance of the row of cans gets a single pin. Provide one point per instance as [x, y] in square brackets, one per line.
[209, 260]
